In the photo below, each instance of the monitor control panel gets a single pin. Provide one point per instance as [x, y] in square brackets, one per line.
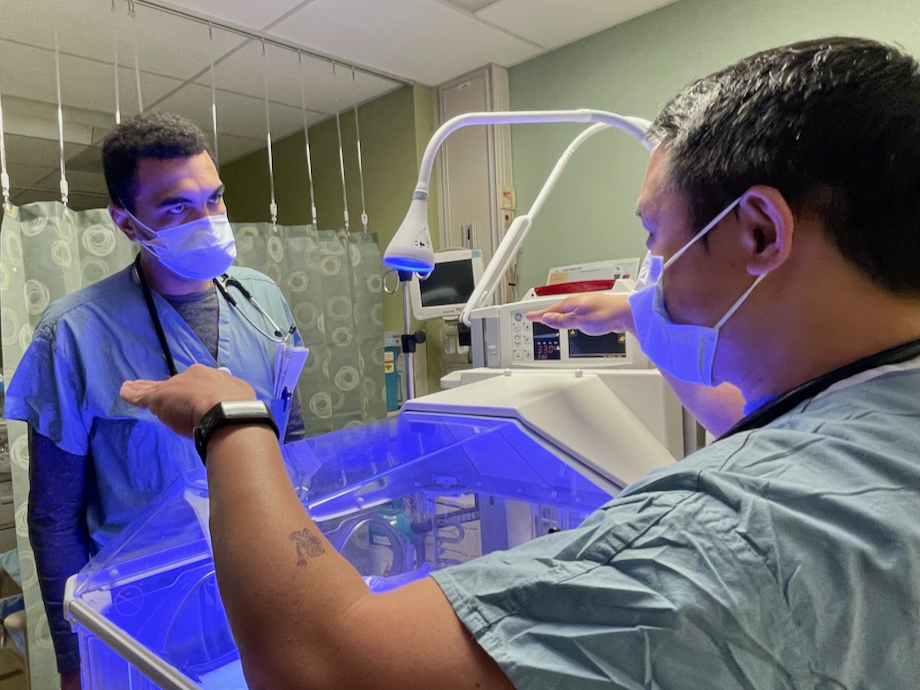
[504, 337]
[533, 342]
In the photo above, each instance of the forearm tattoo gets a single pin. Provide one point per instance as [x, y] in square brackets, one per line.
[308, 546]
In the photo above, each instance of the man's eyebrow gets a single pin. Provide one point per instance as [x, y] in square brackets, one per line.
[173, 200]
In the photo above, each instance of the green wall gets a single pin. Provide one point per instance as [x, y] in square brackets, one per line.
[392, 128]
[634, 69]
[395, 129]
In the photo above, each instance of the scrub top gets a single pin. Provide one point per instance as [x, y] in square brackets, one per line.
[783, 557]
[93, 340]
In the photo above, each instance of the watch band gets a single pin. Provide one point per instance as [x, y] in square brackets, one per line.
[231, 413]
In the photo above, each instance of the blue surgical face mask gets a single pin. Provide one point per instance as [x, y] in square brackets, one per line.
[200, 249]
[685, 351]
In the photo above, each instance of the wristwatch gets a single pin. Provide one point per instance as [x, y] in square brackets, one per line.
[231, 412]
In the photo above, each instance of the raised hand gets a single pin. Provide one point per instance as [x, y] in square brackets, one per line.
[181, 401]
[593, 313]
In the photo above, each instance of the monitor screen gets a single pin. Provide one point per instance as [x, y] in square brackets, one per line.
[545, 342]
[608, 345]
[451, 282]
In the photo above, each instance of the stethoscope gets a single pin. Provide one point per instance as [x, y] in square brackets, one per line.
[787, 402]
[223, 283]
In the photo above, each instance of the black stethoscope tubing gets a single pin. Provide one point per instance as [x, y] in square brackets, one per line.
[221, 284]
[788, 401]
[157, 324]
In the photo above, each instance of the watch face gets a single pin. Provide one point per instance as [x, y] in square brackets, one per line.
[231, 412]
[244, 408]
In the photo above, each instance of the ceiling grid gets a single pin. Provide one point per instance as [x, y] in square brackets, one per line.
[390, 42]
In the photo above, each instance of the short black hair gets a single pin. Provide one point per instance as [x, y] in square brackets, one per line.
[833, 124]
[146, 135]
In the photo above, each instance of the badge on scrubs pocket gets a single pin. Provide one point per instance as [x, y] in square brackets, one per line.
[289, 363]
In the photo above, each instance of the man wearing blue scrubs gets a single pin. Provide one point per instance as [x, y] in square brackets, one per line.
[95, 461]
[783, 214]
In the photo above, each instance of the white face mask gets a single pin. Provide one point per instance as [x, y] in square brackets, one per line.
[684, 351]
[200, 249]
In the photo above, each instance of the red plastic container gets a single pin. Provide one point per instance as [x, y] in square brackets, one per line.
[570, 288]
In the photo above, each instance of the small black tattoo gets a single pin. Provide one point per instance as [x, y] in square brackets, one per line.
[308, 546]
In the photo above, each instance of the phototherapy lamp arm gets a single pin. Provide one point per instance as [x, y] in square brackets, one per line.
[521, 225]
[633, 125]
[411, 247]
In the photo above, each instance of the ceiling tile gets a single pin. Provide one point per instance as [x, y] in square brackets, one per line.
[77, 182]
[85, 83]
[190, 47]
[428, 41]
[77, 202]
[33, 23]
[40, 152]
[19, 113]
[81, 202]
[27, 72]
[22, 197]
[237, 114]
[255, 15]
[187, 51]
[418, 39]
[245, 116]
[92, 86]
[472, 5]
[25, 175]
[88, 160]
[244, 72]
[192, 102]
[232, 147]
[327, 92]
[552, 23]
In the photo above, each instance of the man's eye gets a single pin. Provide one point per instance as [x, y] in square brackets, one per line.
[176, 210]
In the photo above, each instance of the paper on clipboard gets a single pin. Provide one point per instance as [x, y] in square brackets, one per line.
[289, 363]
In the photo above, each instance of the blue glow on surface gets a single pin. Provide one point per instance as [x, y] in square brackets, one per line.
[405, 478]
[402, 263]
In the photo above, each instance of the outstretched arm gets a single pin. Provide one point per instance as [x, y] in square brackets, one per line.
[596, 313]
[301, 615]
[60, 542]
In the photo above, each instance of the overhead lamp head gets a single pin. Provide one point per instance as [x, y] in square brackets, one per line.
[410, 249]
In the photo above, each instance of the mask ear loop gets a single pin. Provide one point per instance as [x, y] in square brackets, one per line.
[272, 207]
[740, 301]
[715, 221]
[306, 138]
[338, 126]
[60, 106]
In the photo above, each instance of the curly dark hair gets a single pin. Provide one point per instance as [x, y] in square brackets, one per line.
[147, 135]
[833, 124]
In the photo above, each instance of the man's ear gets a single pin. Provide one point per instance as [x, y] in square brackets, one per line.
[767, 228]
[121, 218]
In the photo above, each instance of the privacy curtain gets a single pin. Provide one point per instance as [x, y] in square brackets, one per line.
[332, 280]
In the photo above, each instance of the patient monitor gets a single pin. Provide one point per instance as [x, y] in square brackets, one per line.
[503, 337]
[445, 291]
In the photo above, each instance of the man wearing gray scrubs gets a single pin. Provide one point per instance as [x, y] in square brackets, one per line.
[783, 212]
